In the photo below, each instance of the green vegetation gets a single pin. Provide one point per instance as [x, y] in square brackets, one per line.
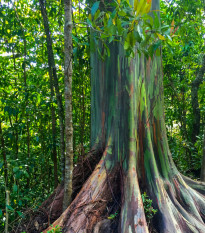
[183, 59]
[149, 210]
[27, 158]
[56, 229]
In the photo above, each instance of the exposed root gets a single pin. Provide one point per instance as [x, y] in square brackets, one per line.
[51, 209]
[132, 213]
[90, 205]
[196, 185]
[103, 226]
[179, 200]
[180, 208]
[84, 169]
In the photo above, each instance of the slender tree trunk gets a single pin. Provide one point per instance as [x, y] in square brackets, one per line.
[4, 156]
[54, 151]
[51, 63]
[203, 162]
[27, 114]
[16, 136]
[68, 104]
[53, 116]
[14, 141]
[16, 122]
[7, 211]
[195, 102]
[82, 123]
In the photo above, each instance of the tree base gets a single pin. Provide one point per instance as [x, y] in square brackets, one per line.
[181, 208]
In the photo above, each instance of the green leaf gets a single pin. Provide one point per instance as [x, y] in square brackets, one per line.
[89, 22]
[94, 8]
[111, 39]
[136, 3]
[1, 213]
[20, 214]
[126, 45]
[15, 169]
[156, 45]
[119, 27]
[107, 50]
[97, 15]
[137, 36]
[20, 203]
[161, 37]
[75, 38]
[122, 13]
[10, 208]
[15, 188]
[26, 174]
[1, 165]
[140, 7]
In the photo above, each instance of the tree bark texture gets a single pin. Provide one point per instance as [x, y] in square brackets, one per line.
[128, 117]
[68, 105]
[54, 151]
[203, 162]
[3, 151]
[52, 67]
[195, 101]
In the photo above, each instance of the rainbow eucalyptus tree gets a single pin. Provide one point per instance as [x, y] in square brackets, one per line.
[128, 119]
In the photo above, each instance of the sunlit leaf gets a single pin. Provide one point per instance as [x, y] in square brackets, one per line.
[161, 37]
[94, 8]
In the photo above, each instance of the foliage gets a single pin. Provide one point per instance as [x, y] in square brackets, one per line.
[181, 62]
[128, 24]
[56, 229]
[149, 210]
[113, 216]
[25, 103]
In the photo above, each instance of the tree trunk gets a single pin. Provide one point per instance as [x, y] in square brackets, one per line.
[195, 102]
[52, 67]
[203, 162]
[68, 105]
[3, 150]
[128, 117]
[54, 151]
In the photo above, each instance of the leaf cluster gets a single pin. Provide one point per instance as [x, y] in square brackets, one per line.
[149, 210]
[131, 25]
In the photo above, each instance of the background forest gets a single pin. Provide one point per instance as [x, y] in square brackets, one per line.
[32, 105]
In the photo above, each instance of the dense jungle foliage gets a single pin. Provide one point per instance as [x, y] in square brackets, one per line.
[26, 137]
